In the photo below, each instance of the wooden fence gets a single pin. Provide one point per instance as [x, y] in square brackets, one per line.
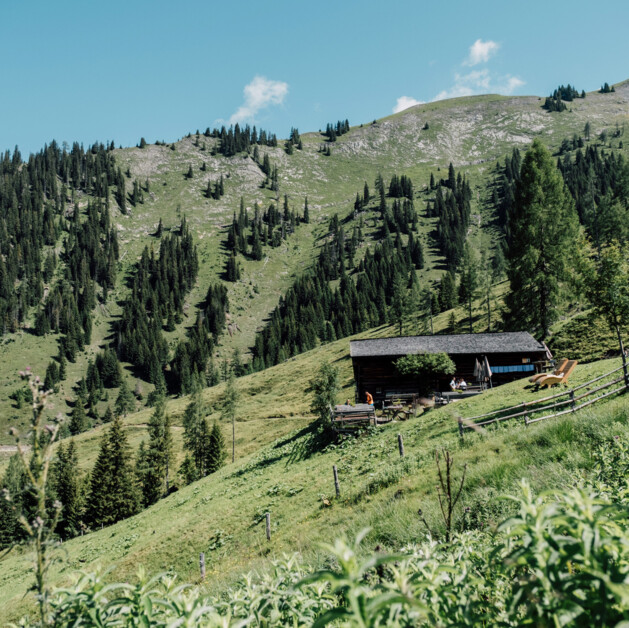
[573, 400]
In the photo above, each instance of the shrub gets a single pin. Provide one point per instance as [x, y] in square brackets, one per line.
[426, 367]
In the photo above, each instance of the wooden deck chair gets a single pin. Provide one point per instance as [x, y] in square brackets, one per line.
[558, 370]
[551, 380]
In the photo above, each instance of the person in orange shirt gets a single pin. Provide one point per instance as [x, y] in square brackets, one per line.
[369, 398]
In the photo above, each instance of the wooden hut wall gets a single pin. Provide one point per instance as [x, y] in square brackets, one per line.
[379, 376]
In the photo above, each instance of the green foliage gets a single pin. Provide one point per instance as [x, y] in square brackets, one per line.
[324, 387]
[560, 560]
[113, 494]
[125, 402]
[541, 233]
[425, 365]
[156, 460]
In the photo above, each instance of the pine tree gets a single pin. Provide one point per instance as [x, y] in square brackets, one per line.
[542, 229]
[155, 482]
[196, 432]
[113, 493]
[232, 269]
[108, 415]
[125, 402]
[306, 212]
[66, 487]
[78, 420]
[216, 451]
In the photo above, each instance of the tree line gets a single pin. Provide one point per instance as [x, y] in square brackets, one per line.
[120, 484]
[37, 206]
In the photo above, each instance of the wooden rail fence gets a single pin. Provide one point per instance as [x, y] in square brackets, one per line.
[528, 408]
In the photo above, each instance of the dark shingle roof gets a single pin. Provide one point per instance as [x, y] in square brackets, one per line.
[506, 342]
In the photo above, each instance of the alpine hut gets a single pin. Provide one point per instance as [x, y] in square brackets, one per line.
[510, 355]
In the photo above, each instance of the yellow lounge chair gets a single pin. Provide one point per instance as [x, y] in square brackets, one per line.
[551, 380]
[558, 371]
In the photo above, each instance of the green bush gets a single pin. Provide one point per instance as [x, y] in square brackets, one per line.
[426, 367]
[556, 560]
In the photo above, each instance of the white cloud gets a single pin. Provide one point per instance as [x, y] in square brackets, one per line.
[404, 102]
[480, 82]
[513, 82]
[260, 93]
[480, 51]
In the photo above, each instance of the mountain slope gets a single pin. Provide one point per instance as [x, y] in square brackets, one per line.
[471, 132]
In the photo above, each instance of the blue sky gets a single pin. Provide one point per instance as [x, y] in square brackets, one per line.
[90, 70]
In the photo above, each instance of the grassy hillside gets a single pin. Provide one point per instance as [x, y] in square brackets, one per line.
[222, 515]
[471, 132]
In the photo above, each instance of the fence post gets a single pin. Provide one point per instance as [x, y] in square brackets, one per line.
[572, 401]
[526, 420]
[268, 526]
[400, 445]
[337, 486]
[202, 565]
[461, 427]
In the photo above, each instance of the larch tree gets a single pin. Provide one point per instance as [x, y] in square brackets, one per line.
[543, 243]
[607, 287]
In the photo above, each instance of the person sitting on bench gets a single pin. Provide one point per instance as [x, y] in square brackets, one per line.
[453, 385]
[369, 398]
[462, 385]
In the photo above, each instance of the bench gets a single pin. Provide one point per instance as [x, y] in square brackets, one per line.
[344, 416]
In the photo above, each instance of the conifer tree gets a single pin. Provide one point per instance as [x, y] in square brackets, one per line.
[66, 487]
[399, 304]
[469, 281]
[306, 212]
[155, 482]
[544, 226]
[232, 269]
[216, 451]
[196, 432]
[125, 402]
[78, 420]
[607, 285]
[113, 493]
[108, 415]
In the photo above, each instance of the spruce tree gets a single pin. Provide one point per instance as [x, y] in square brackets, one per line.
[78, 419]
[113, 493]
[125, 402]
[306, 212]
[66, 487]
[159, 455]
[216, 451]
[543, 243]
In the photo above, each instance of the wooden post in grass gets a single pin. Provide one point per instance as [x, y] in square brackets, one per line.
[461, 427]
[400, 445]
[337, 486]
[268, 526]
[572, 401]
[202, 565]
